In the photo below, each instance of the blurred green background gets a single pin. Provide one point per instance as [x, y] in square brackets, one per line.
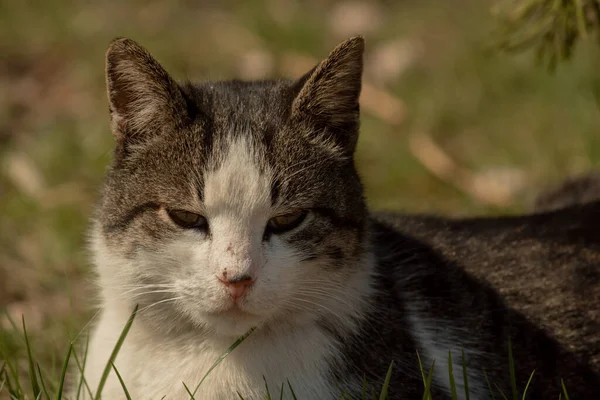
[449, 125]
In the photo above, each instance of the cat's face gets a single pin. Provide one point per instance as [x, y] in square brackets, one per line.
[232, 204]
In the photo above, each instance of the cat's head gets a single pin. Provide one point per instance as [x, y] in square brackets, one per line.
[231, 204]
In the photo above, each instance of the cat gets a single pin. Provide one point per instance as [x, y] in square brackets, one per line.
[235, 207]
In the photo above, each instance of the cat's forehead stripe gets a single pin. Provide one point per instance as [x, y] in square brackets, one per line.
[239, 181]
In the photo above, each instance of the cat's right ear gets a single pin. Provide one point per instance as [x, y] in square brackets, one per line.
[329, 95]
[143, 98]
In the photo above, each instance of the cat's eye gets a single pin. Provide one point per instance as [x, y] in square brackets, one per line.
[286, 222]
[187, 219]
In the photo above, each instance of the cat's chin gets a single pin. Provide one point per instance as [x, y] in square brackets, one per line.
[233, 323]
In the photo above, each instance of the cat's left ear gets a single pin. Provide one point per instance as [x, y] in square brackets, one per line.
[143, 98]
[328, 95]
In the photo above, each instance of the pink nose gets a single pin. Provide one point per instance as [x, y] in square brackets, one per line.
[237, 286]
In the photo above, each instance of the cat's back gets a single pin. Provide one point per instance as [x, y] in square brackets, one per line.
[545, 265]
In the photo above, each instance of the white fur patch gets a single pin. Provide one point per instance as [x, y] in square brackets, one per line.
[152, 368]
[237, 204]
[435, 339]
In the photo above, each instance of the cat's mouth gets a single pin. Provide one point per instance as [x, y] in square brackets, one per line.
[232, 320]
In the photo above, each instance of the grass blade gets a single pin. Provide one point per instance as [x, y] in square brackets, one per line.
[281, 392]
[122, 382]
[16, 388]
[527, 386]
[12, 392]
[421, 368]
[488, 384]
[222, 357]
[14, 327]
[2, 378]
[63, 374]
[5, 379]
[386, 383]
[44, 388]
[267, 387]
[465, 375]
[114, 353]
[451, 377]
[2, 372]
[81, 368]
[189, 391]
[35, 386]
[292, 390]
[562, 383]
[501, 392]
[239, 395]
[426, 381]
[54, 371]
[427, 394]
[511, 369]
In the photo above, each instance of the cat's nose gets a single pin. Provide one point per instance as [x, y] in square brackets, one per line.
[237, 285]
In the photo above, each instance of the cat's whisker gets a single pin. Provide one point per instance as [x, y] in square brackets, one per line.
[160, 302]
[293, 306]
[157, 290]
[136, 295]
[304, 308]
[308, 309]
[330, 290]
[340, 297]
[147, 286]
[133, 286]
[315, 304]
[321, 283]
[324, 291]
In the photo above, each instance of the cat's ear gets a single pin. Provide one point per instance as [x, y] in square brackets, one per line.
[143, 98]
[329, 93]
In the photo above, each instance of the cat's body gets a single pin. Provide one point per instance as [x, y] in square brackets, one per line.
[546, 266]
[232, 206]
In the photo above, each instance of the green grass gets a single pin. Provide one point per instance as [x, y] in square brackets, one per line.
[13, 384]
[489, 111]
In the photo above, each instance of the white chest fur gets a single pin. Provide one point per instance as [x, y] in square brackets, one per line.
[155, 369]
